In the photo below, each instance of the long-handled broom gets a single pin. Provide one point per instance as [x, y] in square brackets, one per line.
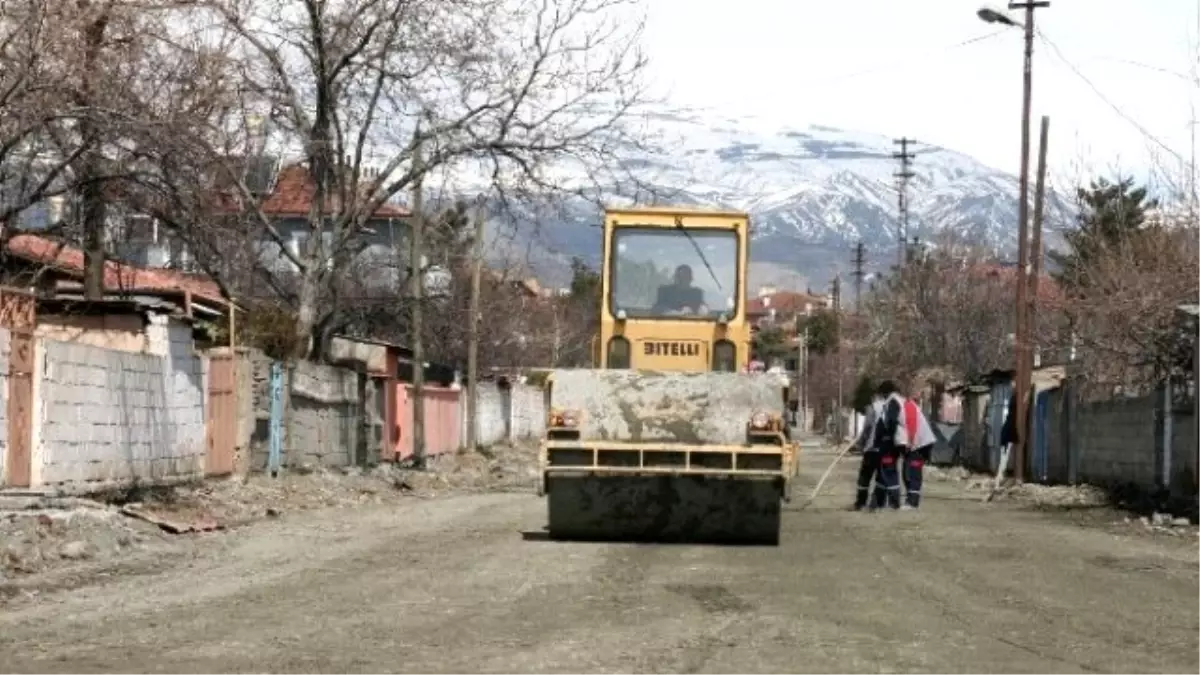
[828, 471]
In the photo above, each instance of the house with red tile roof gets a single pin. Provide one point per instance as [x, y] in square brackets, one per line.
[285, 193]
[772, 307]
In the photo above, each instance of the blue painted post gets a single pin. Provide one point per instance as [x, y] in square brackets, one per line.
[275, 439]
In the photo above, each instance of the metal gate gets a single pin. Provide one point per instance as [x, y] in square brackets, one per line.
[222, 413]
[18, 312]
[1039, 468]
[997, 411]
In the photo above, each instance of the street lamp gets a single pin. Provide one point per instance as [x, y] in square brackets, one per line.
[1023, 334]
[992, 15]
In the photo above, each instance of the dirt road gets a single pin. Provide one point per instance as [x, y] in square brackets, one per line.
[454, 585]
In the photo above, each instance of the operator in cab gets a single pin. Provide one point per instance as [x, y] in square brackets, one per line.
[680, 297]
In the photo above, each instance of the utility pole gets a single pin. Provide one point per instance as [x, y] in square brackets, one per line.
[1024, 355]
[837, 353]
[1039, 203]
[902, 177]
[802, 371]
[912, 247]
[416, 260]
[473, 329]
[859, 259]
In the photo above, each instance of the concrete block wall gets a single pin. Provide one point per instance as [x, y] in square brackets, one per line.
[326, 416]
[106, 417]
[323, 414]
[1116, 441]
[528, 411]
[4, 350]
[492, 414]
[1057, 450]
[1183, 455]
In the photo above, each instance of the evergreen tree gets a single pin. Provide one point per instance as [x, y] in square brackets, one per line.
[1110, 213]
[822, 330]
[585, 282]
[863, 392]
[770, 343]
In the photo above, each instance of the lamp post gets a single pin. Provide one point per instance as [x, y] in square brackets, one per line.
[1023, 357]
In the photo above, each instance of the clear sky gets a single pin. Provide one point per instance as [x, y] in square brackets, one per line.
[885, 66]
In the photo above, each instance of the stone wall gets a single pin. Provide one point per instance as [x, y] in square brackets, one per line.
[106, 417]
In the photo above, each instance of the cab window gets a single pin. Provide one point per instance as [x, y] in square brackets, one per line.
[660, 272]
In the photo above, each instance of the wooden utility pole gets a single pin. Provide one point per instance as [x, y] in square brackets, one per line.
[1039, 204]
[1023, 353]
[802, 371]
[837, 352]
[416, 261]
[473, 329]
[902, 177]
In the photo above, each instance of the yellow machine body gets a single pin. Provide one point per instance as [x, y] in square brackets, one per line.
[668, 437]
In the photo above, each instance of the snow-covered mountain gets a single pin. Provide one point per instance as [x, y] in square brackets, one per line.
[812, 193]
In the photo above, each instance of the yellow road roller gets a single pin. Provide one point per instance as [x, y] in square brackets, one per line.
[668, 437]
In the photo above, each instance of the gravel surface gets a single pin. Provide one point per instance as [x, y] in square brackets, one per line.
[468, 583]
[54, 543]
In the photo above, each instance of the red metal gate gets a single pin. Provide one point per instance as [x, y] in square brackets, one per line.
[443, 425]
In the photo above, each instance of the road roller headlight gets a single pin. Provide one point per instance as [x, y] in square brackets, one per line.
[760, 420]
[570, 419]
[564, 419]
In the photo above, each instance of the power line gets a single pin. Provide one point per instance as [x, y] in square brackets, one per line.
[1100, 94]
[892, 64]
[902, 178]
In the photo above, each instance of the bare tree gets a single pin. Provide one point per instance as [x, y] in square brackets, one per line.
[95, 92]
[949, 309]
[513, 90]
[1122, 302]
[35, 107]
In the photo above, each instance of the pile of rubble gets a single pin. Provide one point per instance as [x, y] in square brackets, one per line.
[40, 534]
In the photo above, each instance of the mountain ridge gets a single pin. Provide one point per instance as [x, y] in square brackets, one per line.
[812, 194]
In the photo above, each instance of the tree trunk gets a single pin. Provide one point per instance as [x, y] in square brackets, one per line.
[306, 313]
[94, 209]
[94, 214]
[417, 281]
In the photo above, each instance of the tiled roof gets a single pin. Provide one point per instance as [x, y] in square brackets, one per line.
[117, 276]
[294, 191]
[784, 302]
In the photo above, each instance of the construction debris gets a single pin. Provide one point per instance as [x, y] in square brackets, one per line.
[42, 533]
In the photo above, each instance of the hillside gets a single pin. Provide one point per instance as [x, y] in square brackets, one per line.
[812, 194]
